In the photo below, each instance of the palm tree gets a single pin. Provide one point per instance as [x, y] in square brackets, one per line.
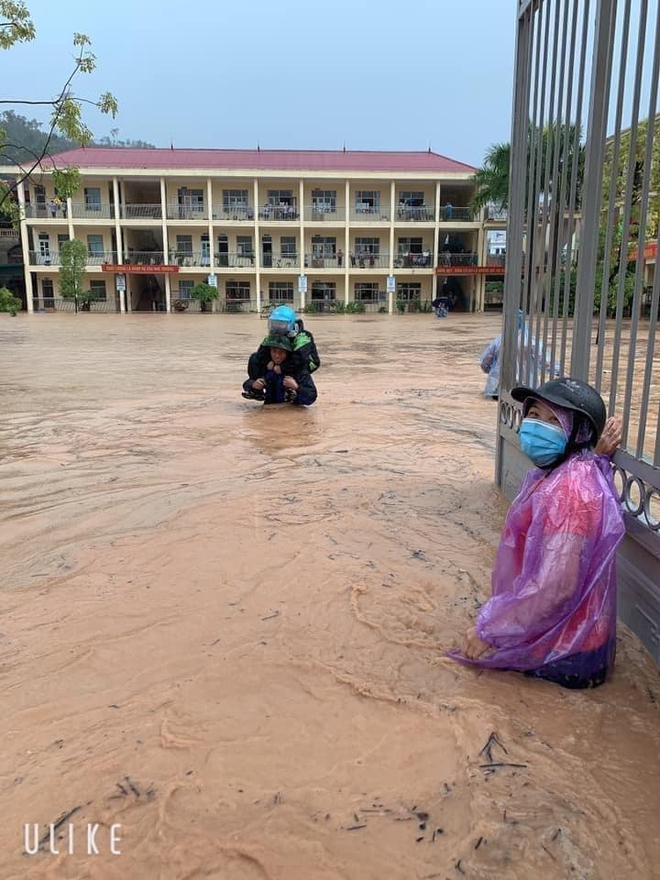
[492, 179]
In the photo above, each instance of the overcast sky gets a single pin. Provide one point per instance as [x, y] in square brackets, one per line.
[367, 74]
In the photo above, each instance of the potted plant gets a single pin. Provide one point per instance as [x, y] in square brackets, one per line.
[204, 293]
[180, 305]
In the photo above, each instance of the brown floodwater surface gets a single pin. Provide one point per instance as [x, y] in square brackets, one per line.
[222, 625]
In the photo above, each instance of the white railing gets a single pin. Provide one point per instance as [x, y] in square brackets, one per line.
[449, 213]
[280, 261]
[141, 212]
[313, 261]
[278, 213]
[92, 211]
[445, 259]
[235, 261]
[187, 212]
[325, 213]
[143, 258]
[189, 258]
[368, 261]
[415, 214]
[414, 261]
[237, 212]
[39, 259]
[366, 214]
[49, 211]
[98, 258]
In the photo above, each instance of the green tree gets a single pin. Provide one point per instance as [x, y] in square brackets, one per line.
[73, 261]
[203, 293]
[557, 146]
[66, 108]
[9, 302]
[492, 179]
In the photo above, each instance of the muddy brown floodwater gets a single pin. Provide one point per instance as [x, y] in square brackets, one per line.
[222, 626]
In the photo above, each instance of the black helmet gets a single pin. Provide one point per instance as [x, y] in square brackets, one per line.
[572, 394]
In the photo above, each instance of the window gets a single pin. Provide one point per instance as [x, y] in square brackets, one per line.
[280, 197]
[92, 198]
[206, 250]
[366, 292]
[409, 292]
[191, 198]
[324, 200]
[325, 291]
[40, 198]
[48, 293]
[184, 244]
[367, 246]
[288, 246]
[411, 245]
[62, 238]
[280, 291]
[367, 201]
[244, 245]
[44, 249]
[411, 199]
[97, 286]
[184, 289]
[95, 245]
[324, 247]
[237, 291]
[234, 199]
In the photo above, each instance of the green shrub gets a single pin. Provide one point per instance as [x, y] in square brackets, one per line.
[9, 302]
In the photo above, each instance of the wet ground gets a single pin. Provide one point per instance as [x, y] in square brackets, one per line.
[222, 626]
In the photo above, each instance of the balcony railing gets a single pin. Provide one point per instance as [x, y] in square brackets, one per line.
[314, 261]
[234, 306]
[235, 212]
[141, 212]
[325, 213]
[234, 261]
[279, 213]
[370, 214]
[187, 212]
[189, 258]
[493, 213]
[144, 258]
[447, 259]
[49, 259]
[280, 261]
[98, 258]
[369, 261]
[58, 304]
[414, 261]
[449, 213]
[496, 260]
[92, 211]
[415, 214]
[48, 211]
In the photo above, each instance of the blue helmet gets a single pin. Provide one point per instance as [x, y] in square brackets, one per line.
[282, 322]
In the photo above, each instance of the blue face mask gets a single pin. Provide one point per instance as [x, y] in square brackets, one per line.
[542, 442]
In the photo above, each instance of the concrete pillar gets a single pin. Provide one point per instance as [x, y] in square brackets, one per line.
[257, 242]
[25, 249]
[166, 245]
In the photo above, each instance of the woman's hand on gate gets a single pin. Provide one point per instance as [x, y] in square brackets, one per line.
[610, 439]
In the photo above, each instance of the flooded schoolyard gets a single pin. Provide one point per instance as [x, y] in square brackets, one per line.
[222, 626]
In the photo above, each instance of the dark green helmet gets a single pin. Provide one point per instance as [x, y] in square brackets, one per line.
[278, 342]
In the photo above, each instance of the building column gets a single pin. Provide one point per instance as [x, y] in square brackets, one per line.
[390, 295]
[257, 243]
[347, 241]
[120, 243]
[301, 233]
[436, 228]
[25, 248]
[209, 202]
[166, 246]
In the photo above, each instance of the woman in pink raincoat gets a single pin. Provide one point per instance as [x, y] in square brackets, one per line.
[552, 613]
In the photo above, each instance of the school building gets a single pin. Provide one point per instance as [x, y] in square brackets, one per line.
[309, 228]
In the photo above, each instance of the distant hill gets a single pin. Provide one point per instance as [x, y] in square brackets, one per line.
[26, 137]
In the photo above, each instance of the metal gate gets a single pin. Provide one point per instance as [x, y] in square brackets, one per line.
[582, 244]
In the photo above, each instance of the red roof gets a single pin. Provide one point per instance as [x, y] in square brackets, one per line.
[262, 160]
